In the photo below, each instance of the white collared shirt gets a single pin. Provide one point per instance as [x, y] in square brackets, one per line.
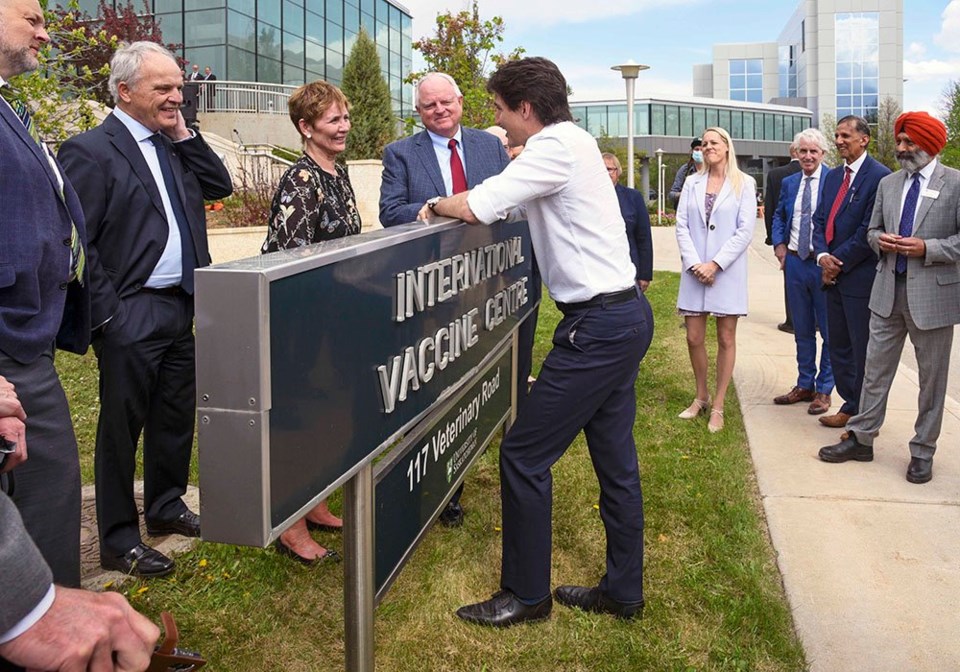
[794, 243]
[925, 174]
[575, 222]
[442, 150]
[169, 268]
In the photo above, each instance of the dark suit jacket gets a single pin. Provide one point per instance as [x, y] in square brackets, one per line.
[124, 213]
[783, 217]
[635, 216]
[771, 193]
[25, 577]
[849, 243]
[411, 175]
[37, 304]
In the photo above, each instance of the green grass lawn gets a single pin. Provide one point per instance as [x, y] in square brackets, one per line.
[714, 596]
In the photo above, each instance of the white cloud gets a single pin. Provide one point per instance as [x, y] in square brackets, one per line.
[949, 35]
[596, 82]
[931, 69]
[916, 50]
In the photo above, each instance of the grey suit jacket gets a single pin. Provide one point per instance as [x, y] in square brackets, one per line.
[411, 175]
[24, 575]
[933, 281]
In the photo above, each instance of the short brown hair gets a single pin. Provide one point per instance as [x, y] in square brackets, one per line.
[537, 81]
[312, 100]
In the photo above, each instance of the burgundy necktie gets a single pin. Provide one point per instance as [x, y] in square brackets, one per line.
[836, 203]
[456, 168]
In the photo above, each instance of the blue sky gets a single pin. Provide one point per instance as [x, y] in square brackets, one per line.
[585, 38]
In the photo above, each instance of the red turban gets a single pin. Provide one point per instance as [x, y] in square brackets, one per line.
[927, 132]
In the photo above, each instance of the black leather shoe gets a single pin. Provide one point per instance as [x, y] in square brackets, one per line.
[187, 525]
[452, 515]
[848, 449]
[920, 470]
[504, 609]
[141, 560]
[591, 599]
[785, 327]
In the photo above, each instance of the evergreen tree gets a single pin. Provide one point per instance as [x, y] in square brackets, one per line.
[371, 115]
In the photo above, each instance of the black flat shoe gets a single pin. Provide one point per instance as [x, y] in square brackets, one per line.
[591, 599]
[320, 527]
[141, 560]
[285, 550]
[848, 449]
[504, 609]
[920, 470]
[187, 524]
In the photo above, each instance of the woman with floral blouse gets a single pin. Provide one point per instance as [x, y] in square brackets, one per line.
[314, 202]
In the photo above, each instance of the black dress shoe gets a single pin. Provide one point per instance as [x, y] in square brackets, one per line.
[504, 609]
[848, 449]
[141, 560]
[591, 599]
[920, 470]
[452, 515]
[785, 327]
[187, 525]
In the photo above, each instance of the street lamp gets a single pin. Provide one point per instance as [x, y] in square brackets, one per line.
[659, 154]
[629, 72]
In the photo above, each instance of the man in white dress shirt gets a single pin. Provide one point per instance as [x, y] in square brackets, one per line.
[560, 185]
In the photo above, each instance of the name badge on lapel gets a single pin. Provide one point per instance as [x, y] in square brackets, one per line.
[930, 193]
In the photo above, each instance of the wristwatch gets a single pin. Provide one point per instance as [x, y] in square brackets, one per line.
[432, 203]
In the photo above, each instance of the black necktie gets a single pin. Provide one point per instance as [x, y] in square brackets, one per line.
[187, 251]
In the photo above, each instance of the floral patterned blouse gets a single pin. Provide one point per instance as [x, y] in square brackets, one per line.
[310, 206]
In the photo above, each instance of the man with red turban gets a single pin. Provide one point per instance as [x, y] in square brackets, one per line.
[915, 229]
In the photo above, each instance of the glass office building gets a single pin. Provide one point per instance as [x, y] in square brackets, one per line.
[287, 41]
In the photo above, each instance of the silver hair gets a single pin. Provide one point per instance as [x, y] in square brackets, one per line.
[913, 161]
[814, 135]
[430, 75]
[126, 63]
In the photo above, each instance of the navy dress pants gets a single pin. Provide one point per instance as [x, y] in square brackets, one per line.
[586, 383]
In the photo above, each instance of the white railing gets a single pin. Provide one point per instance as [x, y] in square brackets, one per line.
[243, 97]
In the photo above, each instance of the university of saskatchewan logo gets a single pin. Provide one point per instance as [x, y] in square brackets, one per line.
[449, 470]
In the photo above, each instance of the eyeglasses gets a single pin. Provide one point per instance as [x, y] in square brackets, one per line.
[612, 170]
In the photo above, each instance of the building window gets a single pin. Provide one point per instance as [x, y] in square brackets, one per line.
[858, 64]
[788, 71]
[746, 79]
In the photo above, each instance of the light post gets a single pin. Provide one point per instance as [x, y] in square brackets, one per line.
[659, 154]
[629, 72]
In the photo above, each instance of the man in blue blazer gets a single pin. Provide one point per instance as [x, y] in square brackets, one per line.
[791, 235]
[417, 168]
[44, 303]
[442, 160]
[637, 220]
[847, 263]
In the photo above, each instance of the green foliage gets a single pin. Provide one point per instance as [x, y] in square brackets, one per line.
[374, 126]
[828, 125]
[950, 109]
[463, 47]
[883, 145]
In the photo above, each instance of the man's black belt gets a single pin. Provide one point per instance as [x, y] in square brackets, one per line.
[175, 290]
[601, 300]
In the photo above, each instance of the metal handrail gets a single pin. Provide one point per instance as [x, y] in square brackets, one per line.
[237, 97]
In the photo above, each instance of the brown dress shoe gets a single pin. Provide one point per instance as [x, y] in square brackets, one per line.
[835, 421]
[794, 395]
[820, 404]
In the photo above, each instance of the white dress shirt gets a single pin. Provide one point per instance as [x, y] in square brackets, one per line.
[169, 269]
[442, 150]
[925, 174]
[575, 222]
[794, 243]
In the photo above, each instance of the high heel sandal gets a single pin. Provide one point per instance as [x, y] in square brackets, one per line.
[714, 428]
[697, 408]
[328, 554]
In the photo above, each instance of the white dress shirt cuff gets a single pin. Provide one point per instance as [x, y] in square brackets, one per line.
[30, 619]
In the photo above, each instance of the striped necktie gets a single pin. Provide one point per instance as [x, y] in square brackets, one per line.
[78, 259]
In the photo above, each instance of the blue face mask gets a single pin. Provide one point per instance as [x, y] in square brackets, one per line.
[697, 156]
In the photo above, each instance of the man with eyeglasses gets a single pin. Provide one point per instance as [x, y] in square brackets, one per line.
[443, 160]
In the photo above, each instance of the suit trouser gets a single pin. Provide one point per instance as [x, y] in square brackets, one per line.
[47, 485]
[932, 347]
[848, 329]
[808, 307]
[586, 382]
[147, 384]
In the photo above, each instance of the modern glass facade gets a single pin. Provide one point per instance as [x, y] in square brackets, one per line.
[287, 41]
[787, 69]
[858, 64]
[687, 121]
[746, 79]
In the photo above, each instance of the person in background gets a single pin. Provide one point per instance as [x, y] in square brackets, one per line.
[637, 219]
[715, 222]
[686, 170]
[314, 202]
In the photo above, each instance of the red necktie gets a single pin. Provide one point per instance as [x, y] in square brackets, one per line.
[456, 168]
[836, 203]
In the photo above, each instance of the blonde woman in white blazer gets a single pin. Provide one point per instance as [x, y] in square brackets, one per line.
[715, 220]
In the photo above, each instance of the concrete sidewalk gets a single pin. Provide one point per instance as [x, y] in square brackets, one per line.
[870, 562]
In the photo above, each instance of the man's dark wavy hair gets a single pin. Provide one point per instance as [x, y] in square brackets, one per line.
[537, 81]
